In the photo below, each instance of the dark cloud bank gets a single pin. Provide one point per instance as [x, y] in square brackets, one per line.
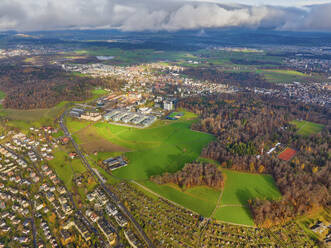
[139, 15]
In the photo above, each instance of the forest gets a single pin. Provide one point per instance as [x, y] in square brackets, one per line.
[247, 126]
[44, 87]
[194, 174]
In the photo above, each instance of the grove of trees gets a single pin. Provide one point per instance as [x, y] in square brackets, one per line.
[195, 174]
[246, 126]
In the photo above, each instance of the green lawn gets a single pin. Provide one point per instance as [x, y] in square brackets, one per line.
[307, 128]
[155, 150]
[35, 117]
[166, 147]
[39, 117]
[65, 168]
[199, 199]
[240, 187]
[99, 92]
[125, 57]
[282, 76]
[74, 125]
[234, 214]
[2, 95]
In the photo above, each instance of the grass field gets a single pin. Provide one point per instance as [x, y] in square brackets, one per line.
[91, 142]
[307, 128]
[199, 199]
[99, 92]
[2, 95]
[36, 117]
[282, 76]
[240, 187]
[65, 167]
[125, 57]
[155, 150]
[166, 147]
[235, 214]
[39, 117]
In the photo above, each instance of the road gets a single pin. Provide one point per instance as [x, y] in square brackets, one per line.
[110, 194]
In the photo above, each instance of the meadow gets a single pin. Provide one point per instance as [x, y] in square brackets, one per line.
[155, 150]
[65, 167]
[166, 147]
[307, 128]
[241, 187]
[24, 119]
[282, 76]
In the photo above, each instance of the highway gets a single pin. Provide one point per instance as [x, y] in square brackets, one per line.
[110, 194]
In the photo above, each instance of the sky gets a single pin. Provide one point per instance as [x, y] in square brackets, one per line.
[170, 15]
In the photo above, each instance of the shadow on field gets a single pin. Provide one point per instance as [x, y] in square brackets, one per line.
[244, 195]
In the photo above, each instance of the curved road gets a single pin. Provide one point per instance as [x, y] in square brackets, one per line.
[110, 194]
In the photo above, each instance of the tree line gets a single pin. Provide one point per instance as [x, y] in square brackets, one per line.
[193, 174]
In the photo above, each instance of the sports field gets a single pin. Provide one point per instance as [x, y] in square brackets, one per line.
[307, 128]
[287, 154]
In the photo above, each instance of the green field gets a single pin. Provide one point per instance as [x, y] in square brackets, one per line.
[38, 117]
[166, 147]
[2, 95]
[202, 200]
[136, 56]
[65, 167]
[234, 214]
[240, 187]
[155, 150]
[307, 128]
[282, 76]
[99, 92]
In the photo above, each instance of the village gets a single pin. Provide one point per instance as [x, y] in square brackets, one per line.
[38, 210]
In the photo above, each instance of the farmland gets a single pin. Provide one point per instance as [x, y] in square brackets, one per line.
[307, 128]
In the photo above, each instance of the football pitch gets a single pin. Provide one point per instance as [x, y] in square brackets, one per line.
[307, 128]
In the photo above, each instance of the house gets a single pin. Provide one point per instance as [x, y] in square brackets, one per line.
[65, 141]
[91, 116]
[66, 237]
[50, 196]
[120, 219]
[169, 104]
[107, 230]
[72, 155]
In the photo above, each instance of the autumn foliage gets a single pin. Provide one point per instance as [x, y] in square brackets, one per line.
[196, 174]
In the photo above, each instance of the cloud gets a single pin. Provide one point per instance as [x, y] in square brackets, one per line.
[131, 15]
